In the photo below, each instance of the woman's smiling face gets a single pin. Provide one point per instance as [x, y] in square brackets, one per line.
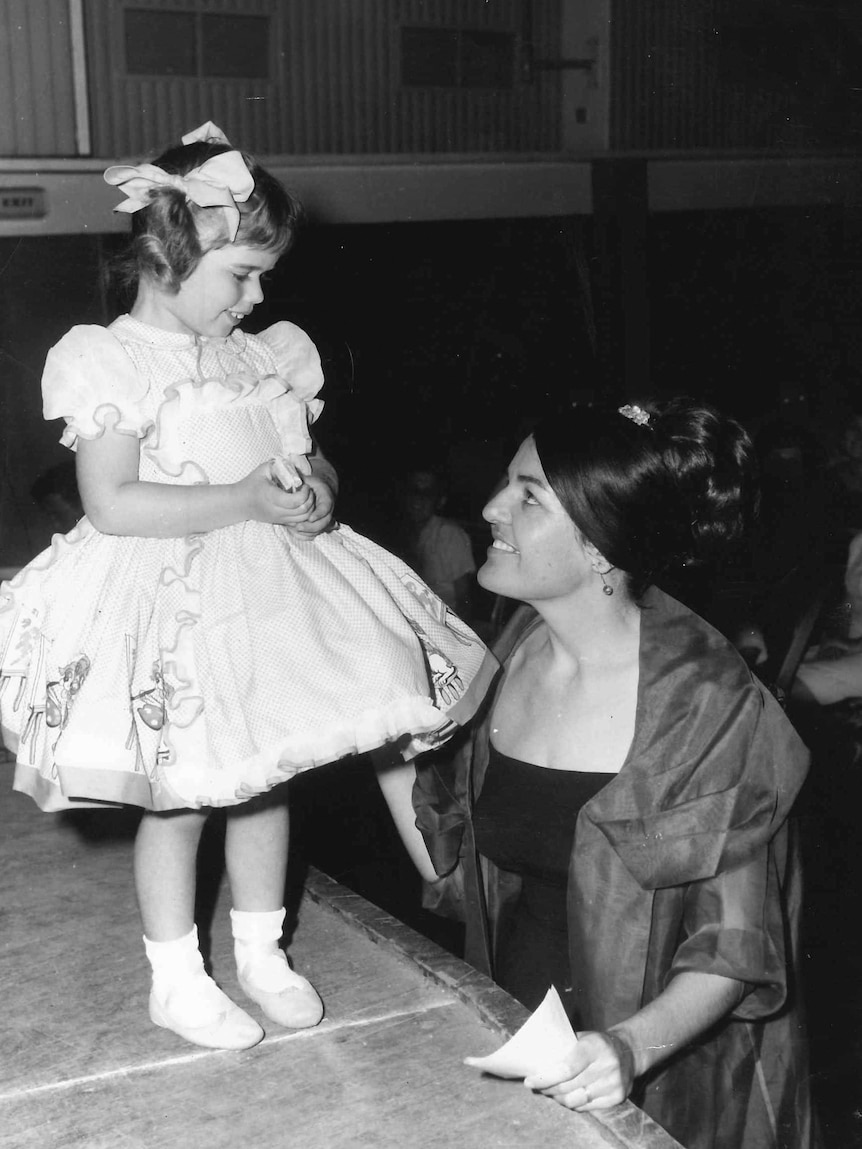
[537, 553]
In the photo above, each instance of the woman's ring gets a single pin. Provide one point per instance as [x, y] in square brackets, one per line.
[586, 1093]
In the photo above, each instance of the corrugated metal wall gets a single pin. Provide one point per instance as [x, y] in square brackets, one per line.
[334, 85]
[682, 77]
[131, 115]
[524, 118]
[670, 82]
[37, 108]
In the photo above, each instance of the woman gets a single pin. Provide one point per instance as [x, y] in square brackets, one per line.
[625, 798]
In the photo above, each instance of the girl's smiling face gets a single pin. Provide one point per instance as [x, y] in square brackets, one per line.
[537, 552]
[223, 289]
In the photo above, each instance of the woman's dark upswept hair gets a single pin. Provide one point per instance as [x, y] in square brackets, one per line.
[170, 235]
[651, 497]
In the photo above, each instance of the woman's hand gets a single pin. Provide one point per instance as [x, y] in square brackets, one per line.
[598, 1074]
[599, 1071]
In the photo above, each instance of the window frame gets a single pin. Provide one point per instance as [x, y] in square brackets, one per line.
[200, 17]
[459, 35]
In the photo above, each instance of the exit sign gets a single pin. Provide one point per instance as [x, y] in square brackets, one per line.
[22, 203]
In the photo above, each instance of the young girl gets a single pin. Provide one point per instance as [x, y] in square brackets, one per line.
[207, 630]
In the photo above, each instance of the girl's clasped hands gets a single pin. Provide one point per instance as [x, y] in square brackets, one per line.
[305, 509]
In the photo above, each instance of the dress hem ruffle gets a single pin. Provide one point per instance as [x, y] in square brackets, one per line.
[413, 721]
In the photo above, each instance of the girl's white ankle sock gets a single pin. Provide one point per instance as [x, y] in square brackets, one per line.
[180, 982]
[259, 958]
[180, 957]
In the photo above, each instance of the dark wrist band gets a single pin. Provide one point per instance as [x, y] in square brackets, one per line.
[624, 1052]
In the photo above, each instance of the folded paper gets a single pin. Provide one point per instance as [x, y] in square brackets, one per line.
[545, 1037]
[289, 472]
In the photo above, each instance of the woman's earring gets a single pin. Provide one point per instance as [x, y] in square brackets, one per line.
[606, 587]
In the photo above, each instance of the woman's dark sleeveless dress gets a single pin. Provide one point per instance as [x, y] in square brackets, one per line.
[524, 822]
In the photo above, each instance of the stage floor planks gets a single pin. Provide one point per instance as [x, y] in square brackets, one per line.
[83, 1067]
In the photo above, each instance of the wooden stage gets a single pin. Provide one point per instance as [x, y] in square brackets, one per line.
[82, 1066]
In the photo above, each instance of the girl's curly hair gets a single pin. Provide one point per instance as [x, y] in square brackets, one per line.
[171, 234]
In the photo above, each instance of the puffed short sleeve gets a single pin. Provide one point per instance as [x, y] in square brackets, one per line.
[297, 362]
[91, 382]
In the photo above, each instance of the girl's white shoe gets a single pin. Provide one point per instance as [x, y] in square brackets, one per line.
[264, 973]
[197, 1010]
[185, 999]
[285, 997]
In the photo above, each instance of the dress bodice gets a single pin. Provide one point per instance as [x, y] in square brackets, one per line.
[205, 410]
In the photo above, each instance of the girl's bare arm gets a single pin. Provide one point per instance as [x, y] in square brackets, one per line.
[118, 503]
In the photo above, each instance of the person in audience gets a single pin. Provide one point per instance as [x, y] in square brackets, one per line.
[437, 547]
[843, 472]
[831, 670]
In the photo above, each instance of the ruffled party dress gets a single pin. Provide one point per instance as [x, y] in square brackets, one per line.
[201, 671]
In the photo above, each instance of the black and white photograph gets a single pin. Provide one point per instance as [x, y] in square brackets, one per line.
[430, 574]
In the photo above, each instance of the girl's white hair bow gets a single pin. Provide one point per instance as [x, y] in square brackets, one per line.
[223, 181]
[208, 133]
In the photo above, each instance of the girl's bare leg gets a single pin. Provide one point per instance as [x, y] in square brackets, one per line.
[256, 844]
[166, 849]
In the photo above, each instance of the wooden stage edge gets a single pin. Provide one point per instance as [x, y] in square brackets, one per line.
[625, 1127]
[82, 1066]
